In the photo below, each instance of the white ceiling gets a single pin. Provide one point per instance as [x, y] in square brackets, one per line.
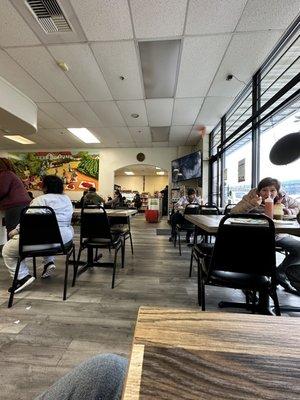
[218, 37]
[140, 170]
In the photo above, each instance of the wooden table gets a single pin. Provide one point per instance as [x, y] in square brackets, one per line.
[210, 224]
[187, 354]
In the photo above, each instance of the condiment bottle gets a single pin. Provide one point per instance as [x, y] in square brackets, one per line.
[269, 207]
[278, 211]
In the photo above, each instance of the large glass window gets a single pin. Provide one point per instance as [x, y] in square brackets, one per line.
[238, 167]
[289, 175]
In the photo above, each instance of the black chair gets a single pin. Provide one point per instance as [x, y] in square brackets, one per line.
[186, 226]
[39, 237]
[121, 225]
[95, 233]
[228, 208]
[243, 258]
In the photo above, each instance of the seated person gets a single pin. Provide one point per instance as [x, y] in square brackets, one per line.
[100, 377]
[82, 198]
[179, 207]
[253, 202]
[92, 198]
[117, 201]
[55, 198]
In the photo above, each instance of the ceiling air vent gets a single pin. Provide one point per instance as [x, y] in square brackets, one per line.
[49, 15]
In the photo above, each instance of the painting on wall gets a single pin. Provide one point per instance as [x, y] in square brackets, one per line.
[79, 171]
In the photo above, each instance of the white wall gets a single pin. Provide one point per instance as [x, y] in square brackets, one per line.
[152, 183]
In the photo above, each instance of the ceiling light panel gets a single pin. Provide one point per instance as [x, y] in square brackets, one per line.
[39, 64]
[160, 173]
[128, 173]
[186, 111]
[104, 20]
[120, 59]
[108, 113]
[19, 139]
[200, 60]
[85, 75]
[153, 19]
[13, 29]
[251, 47]
[131, 107]
[160, 134]
[159, 111]
[84, 135]
[213, 16]
[159, 65]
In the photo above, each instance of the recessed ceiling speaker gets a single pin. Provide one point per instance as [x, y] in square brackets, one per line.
[286, 149]
[140, 157]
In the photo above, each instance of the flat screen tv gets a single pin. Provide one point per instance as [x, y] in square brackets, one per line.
[187, 167]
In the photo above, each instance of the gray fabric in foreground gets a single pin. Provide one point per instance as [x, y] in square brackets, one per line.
[98, 378]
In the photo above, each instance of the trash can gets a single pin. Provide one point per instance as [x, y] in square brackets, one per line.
[152, 215]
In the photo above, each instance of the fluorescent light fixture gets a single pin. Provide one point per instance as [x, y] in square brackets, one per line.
[157, 168]
[159, 59]
[84, 135]
[160, 173]
[19, 139]
[129, 173]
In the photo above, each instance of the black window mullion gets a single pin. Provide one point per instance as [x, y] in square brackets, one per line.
[255, 128]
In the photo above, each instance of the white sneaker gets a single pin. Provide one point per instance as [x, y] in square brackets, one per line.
[48, 270]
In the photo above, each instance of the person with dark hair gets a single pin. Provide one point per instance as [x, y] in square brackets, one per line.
[117, 201]
[177, 217]
[137, 201]
[165, 193]
[81, 201]
[254, 202]
[92, 198]
[61, 204]
[13, 195]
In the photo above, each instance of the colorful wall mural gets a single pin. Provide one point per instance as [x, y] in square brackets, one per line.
[79, 171]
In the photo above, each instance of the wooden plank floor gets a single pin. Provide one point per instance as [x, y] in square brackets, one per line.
[42, 337]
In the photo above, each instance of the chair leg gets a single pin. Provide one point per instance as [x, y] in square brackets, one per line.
[12, 293]
[131, 244]
[123, 252]
[75, 267]
[191, 262]
[276, 302]
[66, 276]
[179, 243]
[202, 295]
[199, 282]
[34, 266]
[114, 269]
[75, 270]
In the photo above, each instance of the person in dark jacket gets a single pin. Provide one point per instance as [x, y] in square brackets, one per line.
[92, 198]
[13, 195]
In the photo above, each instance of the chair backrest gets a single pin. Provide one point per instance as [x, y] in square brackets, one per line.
[38, 226]
[94, 224]
[209, 209]
[245, 247]
[192, 209]
[228, 208]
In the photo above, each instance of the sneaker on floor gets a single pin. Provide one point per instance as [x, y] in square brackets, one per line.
[22, 283]
[48, 270]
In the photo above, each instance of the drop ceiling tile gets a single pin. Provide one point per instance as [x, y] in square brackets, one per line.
[41, 66]
[105, 136]
[252, 48]
[84, 114]
[213, 109]
[13, 29]
[200, 60]
[186, 111]
[85, 75]
[159, 111]
[120, 59]
[193, 138]
[140, 134]
[153, 19]
[108, 113]
[16, 75]
[59, 138]
[121, 134]
[213, 16]
[160, 144]
[45, 121]
[268, 14]
[133, 107]
[60, 114]
[105, 19]
[179, 133]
